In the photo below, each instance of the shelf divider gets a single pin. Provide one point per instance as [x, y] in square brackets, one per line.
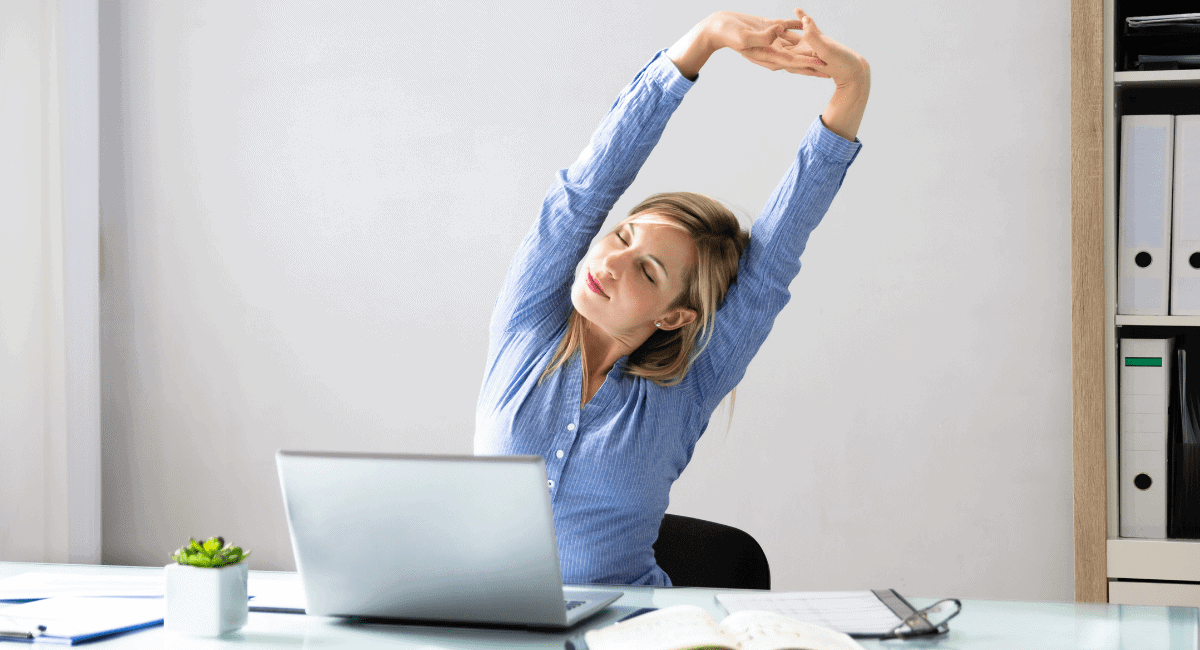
[1161, 321]
[1157, 78]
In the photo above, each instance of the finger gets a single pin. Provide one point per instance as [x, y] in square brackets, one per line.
[810, 25]
[791, 37]
[781, 61]
[770, 66]
[813, 36]
[766, 54]
[762, 56]
[800, 59]
[777, 30]
[808, 72]
[785, 24]
[787, 58]
[759, 38]
[783, 46]
[798, 47]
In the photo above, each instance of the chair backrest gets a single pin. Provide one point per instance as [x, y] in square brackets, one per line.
[698, 553]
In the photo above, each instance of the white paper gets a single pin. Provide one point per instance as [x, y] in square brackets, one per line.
[269, 590]
[29, 586]
[852, 612]
[276, 591]
[72, 617]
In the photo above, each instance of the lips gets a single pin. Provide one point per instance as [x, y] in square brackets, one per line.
[595, 285]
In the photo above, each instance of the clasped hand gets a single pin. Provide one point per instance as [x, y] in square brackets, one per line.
[797, 46]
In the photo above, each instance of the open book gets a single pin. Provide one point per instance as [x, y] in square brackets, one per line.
[685, 627]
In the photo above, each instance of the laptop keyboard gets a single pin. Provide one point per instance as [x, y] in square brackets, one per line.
[572, 604]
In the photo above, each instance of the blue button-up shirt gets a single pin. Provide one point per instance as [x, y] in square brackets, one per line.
[611, 463]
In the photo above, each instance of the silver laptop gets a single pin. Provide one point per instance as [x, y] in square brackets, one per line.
[460, 539]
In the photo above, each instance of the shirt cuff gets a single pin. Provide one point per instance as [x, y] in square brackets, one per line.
[831, 144]
[662, 71]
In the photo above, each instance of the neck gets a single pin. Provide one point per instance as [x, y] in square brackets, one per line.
[601, 350]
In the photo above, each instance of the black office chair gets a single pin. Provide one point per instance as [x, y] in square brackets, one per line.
[698, 553]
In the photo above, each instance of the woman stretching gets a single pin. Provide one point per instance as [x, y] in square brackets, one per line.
[609, 362]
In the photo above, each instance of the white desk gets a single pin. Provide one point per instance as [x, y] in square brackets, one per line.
[982, 625]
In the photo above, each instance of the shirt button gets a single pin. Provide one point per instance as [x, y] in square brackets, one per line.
[550, 483]
[571, 427]
[559, 453]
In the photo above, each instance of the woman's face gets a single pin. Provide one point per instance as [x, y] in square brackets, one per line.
[630, 278]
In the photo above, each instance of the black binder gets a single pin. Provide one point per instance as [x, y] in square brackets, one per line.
[1183, 463]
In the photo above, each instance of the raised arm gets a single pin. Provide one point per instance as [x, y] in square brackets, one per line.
[799, 203]
[850, 72]
[536, 291]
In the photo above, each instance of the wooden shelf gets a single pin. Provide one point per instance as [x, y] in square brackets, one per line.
[1160, 321]
[1158, 78]
[1154, 559]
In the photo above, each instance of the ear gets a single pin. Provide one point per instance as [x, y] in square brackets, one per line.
[676, 318]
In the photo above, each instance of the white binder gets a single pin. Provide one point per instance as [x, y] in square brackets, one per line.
[1185, 218]
[1143, 256]
[1145, 396]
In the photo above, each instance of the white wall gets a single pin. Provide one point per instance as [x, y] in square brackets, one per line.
[307, 210]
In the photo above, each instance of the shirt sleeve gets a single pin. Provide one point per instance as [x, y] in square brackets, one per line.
[536, 290]
[771, 261]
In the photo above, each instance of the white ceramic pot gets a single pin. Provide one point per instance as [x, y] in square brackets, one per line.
[206, 602]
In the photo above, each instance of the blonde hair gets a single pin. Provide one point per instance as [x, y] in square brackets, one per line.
[667, 355]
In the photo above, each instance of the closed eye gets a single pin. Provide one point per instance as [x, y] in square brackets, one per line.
[645, 271]
[648, 274]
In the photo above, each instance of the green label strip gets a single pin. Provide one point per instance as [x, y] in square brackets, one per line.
[1143, 361]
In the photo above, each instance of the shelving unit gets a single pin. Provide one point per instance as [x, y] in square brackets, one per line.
[1133, 571]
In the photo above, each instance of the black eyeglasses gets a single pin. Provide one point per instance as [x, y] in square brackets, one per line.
[931, 620]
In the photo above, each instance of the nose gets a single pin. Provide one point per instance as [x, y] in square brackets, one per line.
[614, 263]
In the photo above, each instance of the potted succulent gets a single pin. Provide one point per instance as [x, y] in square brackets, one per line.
[206, 589]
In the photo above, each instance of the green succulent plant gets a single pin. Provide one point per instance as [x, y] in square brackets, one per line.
[211, 554]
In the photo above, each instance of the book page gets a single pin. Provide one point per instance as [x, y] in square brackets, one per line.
[670, 628]
[770, 631]
[852, 612]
